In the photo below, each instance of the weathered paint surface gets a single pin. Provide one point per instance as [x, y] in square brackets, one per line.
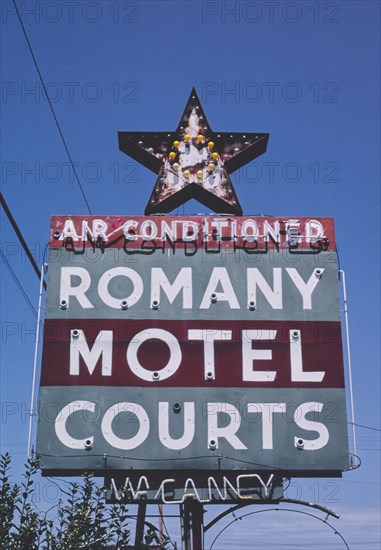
[230, 349]
[148, 234]
[136, 423]
[202, 343]
[236, 271]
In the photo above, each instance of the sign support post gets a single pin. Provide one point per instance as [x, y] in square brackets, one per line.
[192, 524]
[197, 525]
[142, 507]
[161, 523]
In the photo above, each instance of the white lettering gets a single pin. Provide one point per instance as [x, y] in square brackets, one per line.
[66, 290]
[250, 230]
[228, 486]
[249, 355]
[272, 295]
[293, 231]
[99, 230]
[190, 231]
[131, 442]
[148, 230]
[314, 231]
[267, 411]
[220, 276]
[310, 425]
[219, 224]
[190, 490]
[297, 372]
[128, 488]
[228, 432]
[69, 231]
[162, 490]
[254, 476]
[229, 490]
[269, 230]
[173, 361]
[209, 337]
[305, 289]
[101, 347]
[169, 232]
[127, 230]
[130, 274]
[62, 418]
[189, 426]
[182, 282]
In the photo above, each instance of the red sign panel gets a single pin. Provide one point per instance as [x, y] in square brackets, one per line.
[192, 354]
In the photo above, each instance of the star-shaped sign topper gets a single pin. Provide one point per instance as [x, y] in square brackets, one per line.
[193, 161]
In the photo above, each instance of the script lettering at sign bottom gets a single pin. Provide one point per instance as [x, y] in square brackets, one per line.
[214, 488]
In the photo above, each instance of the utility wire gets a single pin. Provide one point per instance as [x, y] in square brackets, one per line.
[366, 427]
[21, 238]
[21, 288]
[51, 106]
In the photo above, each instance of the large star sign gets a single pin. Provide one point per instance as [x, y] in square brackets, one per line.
[193, 161]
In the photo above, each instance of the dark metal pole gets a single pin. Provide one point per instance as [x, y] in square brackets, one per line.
[197, 525]
[185, 527]
[161, 523]
[192, 523]
[140, 525]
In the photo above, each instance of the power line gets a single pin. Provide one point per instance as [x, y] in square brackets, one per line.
[51, 106]
[21, 288]
[366, 427]
[20, 238]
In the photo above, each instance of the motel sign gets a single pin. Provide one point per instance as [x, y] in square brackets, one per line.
[189, 346]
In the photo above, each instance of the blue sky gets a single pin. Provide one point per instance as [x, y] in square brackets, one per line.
[306, 72]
